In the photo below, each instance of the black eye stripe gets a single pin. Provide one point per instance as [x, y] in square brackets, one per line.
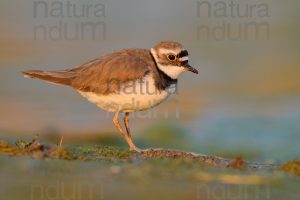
[183, 54]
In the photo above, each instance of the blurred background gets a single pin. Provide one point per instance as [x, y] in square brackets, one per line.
[245, 100]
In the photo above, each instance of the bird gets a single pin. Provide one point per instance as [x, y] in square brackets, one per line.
[125, 81]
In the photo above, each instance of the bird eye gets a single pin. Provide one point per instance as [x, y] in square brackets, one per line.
[171, 57]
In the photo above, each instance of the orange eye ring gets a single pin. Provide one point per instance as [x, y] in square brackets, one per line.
[171, 57]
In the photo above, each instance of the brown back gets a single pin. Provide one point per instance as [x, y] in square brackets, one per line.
[104, 75]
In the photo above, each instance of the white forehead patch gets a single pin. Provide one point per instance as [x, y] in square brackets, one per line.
[185, 58]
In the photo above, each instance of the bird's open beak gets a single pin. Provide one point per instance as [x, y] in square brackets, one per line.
[188, 67]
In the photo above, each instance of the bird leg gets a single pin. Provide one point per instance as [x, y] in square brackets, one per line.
[126, 122]
[127, 135]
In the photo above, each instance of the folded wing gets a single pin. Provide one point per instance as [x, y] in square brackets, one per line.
[103, 75]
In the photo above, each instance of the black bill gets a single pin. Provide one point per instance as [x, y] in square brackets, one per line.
[190, 68]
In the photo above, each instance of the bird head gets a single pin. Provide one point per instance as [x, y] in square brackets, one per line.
[171, 58]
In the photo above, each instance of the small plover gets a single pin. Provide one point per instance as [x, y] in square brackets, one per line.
[125, 81]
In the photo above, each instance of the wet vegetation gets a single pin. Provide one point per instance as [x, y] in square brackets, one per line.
[95, 166]
[98, 153]
[97, 171]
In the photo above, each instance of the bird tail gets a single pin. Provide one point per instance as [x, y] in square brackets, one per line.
[56, 77]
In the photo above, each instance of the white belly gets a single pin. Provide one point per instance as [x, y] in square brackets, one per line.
[134, 96]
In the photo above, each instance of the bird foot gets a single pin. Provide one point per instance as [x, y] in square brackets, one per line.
[134, 148]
